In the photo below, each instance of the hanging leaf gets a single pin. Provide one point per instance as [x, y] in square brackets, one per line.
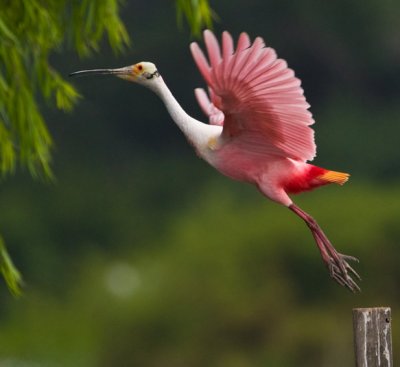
[198, 15]
[10, 273]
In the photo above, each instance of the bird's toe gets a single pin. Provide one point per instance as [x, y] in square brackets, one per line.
[341, 272]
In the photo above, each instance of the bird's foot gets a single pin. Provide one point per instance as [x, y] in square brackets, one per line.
[341, 271]
[338, 266]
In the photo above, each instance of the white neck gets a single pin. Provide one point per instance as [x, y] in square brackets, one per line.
[195, 131]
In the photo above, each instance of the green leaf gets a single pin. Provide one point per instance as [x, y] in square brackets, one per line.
[198, 14]
[7, 152]
[6, 32]
[66, 95]
[10, 273]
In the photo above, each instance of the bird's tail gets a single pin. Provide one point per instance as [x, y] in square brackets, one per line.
[334, 177]
[313, 177]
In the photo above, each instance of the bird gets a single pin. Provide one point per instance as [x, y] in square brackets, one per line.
[258, 128]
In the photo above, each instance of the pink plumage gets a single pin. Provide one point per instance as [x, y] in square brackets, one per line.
[266, 138]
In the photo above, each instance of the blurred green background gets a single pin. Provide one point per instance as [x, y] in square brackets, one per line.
[142, 255]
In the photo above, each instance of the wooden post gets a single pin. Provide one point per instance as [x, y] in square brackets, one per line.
[373, 337]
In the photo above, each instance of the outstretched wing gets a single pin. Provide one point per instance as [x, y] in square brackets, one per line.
[259, 96]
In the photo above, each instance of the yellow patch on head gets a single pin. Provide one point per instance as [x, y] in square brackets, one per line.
[137, 69]
[335, 177]
[145, 69]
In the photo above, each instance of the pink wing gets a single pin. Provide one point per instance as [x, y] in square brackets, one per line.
[259, 96]
[215, 116]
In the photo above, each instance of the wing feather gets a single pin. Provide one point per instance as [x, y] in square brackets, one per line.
[215, 116]
[256, 97]
[227, 45]
[201, 62]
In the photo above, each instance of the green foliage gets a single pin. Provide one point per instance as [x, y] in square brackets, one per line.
[29, 32]
[100, 17]
[198, 14]
[11, 275]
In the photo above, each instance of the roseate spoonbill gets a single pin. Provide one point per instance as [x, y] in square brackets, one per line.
[259, 127]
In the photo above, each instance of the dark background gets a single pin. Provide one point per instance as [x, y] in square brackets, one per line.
[142, 255]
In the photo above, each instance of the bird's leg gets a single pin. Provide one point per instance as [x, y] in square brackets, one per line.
[337, 264]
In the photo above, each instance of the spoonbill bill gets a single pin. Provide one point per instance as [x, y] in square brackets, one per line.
[258, 127]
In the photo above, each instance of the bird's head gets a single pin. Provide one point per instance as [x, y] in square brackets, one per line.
[144, 73]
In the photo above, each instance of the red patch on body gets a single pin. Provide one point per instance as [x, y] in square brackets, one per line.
[306, 180]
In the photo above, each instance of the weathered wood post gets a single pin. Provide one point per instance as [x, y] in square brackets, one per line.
[373, 337]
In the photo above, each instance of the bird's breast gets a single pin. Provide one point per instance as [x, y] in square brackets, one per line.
[236, 163]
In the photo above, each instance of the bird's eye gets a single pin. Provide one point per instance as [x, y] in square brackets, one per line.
[140, 67]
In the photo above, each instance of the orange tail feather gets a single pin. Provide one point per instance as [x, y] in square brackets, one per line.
[334, 177]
